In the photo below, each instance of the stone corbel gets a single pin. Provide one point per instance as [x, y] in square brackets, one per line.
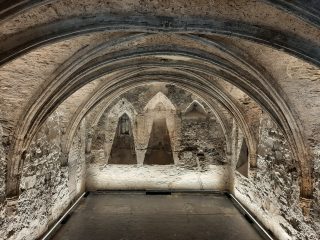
[305, 204]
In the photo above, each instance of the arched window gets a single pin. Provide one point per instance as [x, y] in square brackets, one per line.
[124, 124]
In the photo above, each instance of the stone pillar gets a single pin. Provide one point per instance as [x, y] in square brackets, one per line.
[13, 187]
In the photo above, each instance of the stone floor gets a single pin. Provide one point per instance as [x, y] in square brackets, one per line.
[136, 216]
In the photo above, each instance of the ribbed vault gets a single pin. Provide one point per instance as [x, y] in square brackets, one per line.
[63, 56]
[168, 57]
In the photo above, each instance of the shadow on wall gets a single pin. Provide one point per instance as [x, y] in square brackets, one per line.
[243, 163]
[123, 147]
[159, 133]
[159, 148]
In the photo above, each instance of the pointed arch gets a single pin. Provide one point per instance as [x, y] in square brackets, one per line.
[123, 122]
[157, 99]
[195, 110]
[160, 109]
[123, 145]
[122, 108]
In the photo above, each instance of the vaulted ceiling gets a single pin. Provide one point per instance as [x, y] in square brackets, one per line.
[243, 57]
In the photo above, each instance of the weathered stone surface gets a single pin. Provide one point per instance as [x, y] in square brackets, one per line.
[3, 165]
[197, 135]
[198, 143]
[272, 194]
[44, 185]
[256, 12]
[135, 177]
[69, 93]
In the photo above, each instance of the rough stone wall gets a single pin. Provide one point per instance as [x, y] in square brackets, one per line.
[44, 185]
[190, 136]
[198, 145]
[131, 177]
[315, 204]
[202, 140]
[77, 163]
[2, 182]
[2, 165]
[272, 192]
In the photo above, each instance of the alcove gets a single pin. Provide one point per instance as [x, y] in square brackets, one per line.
[159, 148]
[123, 150]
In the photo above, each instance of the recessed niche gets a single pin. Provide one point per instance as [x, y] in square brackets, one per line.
[243, 162]
[159, 148]
[123, 148]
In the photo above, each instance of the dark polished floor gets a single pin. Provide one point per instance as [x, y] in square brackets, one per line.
[156, 217]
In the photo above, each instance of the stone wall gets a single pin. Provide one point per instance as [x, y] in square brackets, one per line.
[77, 163]
[45, 184]
[198, 143]
[315, 204]
[272, 191]
[203, 135]
[202, 139]
[166, 177]
[2, 183]
[43, 48]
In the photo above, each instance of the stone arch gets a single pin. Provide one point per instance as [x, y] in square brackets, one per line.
[95, 99]
[63, 29]
[123, 106]
[160, 111]
[123, 145]
[308, 13]
[195, 111]
[278, 109]
[157, 99]
[219, 94]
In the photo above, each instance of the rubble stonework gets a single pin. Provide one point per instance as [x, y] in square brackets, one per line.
[272, 192]
[198, 143]
[252, 65]
[188, 136]
[45, 184]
